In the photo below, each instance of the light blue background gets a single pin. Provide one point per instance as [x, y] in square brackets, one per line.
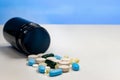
[62, 11]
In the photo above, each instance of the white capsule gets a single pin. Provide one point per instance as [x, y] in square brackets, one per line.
[40, 60]
[35, 65]
[65, 68]
[66, 59]
[51, 58]
[56, 60]
[32, 56]
[64, 63]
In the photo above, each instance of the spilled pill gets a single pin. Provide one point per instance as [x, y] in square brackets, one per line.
[74, 60]
[51, 58]
[75, 67]
[66, 56]
[40, 60]
[66, 59]
[31, 61]
[47, 69]
[50, 63]
[41, 69]
[55, 72]
[32, 56]
[56, 60]
[44, 64]
[39, 55]
[48, 55]
[65, 68]
[35, 65]
[64, 63]
[58, 57]
[53, 65]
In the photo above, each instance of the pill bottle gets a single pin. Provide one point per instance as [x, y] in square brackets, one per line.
[26, 36]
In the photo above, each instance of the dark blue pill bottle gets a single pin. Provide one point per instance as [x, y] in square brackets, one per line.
[26, 36]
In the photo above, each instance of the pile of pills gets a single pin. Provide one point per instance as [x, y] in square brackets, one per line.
[52, 64]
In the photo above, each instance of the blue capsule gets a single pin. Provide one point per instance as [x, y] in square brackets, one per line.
[55, 72]
[75, 67]
[31, 61]
[41, 69]
[57, 57]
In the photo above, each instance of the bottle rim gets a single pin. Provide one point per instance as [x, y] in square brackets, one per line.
[26, 30]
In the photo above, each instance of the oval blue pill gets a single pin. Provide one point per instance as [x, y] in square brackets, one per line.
[41, 69]
[75, 67]
[55, 72]
[57, 57]
[31, 61]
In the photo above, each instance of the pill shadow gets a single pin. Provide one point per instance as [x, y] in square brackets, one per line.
[10, 52]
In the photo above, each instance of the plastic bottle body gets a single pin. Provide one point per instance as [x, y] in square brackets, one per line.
[26, 36]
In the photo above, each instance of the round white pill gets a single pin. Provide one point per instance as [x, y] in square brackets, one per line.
[65, 68]
[40, 60]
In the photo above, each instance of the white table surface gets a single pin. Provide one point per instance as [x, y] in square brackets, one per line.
[97, 46]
